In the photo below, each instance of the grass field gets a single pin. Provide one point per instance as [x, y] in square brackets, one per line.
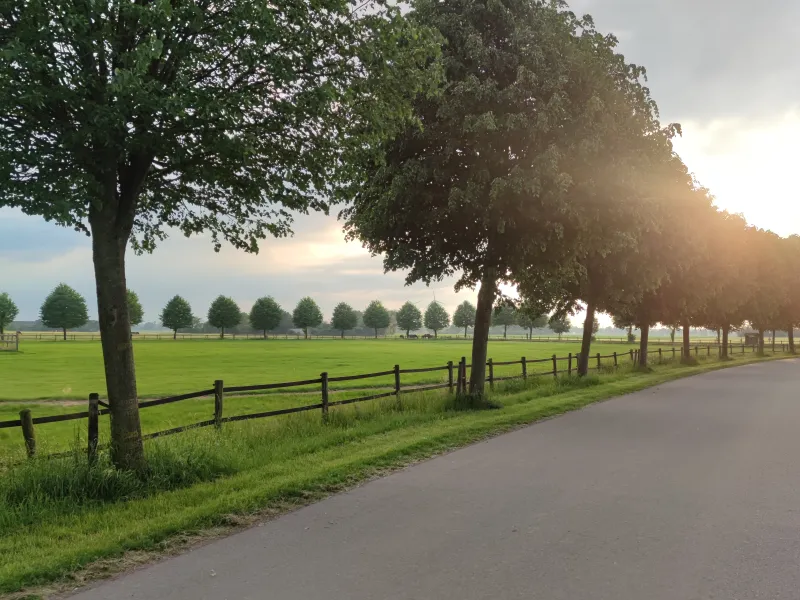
[57, 371]
[53, 370]
[57, 517]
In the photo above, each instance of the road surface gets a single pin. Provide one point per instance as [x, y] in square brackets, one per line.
[687, 491]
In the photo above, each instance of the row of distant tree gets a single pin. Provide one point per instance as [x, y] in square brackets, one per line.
[66, 309]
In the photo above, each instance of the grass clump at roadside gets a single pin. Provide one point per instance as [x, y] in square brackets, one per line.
[59, 516]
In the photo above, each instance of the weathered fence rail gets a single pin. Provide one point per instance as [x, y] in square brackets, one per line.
[456, 383]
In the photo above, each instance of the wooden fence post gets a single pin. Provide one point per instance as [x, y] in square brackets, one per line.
[569, 364]
[219, 389]
[397, 382]
[660, 356]
[598, 361]
[632, 358]
[490, 364]
[450, 375]
[94, 427]
[324, 381]
[464, 374]
[708, 350]
[615, 360]
[555, 366]
[697, 351]
[27, 431]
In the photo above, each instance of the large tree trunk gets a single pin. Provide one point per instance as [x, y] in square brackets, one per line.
[773, 341]
[222, 333]
[725, 340]
[64, 330]
[465, 332]
[174, 334]
[108, 251]
[718, 335]
[586, 343]
[376, 333]
[645, 336]
[790, 331]
[761, 341]
[480, 333]
[505, 332]
[687, 350]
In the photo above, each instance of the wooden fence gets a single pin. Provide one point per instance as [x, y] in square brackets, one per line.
[9, 342]
[456, 383]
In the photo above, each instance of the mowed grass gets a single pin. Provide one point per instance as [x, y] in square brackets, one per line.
[73, 370]
[46, 372]
[58, 516]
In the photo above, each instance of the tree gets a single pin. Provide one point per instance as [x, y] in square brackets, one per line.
[223, 314]
[8, 311]
[504, 316]
[436, 317]
[530, 317]
[135, 311]
[177, 314]
[621, 322]
[344, 318]
[376, 316]
[533, 95]
[265, 315]
[559, 324]
[130, 119]
[306, 314]
[464, 317]
[409, 318]
[64, 309]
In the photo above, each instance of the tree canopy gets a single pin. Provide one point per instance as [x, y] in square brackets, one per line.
[436, 317]
[409, 318]
[177, 314]
[224, 314]
[8, 311]
[127, 119]
[64, 309]
[265, 315]
[344, 317]
[306, 314]
[464, 317]
[538, 114]
[376, 316]
[135, 310]
[504, 316]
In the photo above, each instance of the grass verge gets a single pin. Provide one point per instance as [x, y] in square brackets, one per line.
[61, 524]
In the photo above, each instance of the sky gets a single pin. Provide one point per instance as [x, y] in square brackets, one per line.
[725, 69]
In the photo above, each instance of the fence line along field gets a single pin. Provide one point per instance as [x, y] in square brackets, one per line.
[59, 371]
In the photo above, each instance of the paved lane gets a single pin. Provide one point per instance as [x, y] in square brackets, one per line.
[687, 491]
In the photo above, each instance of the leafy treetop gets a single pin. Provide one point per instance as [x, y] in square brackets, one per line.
[266, 314]
[177, 314]
[436, 317]
[344, 317]
[409, 318]
[135, 310]
[8, 311]
[64, 309]
[224, 314]
[376, 316]
[306, 314]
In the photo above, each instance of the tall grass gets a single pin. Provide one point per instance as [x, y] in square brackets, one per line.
[44, 488]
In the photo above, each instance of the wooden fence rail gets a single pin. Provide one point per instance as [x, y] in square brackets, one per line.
[456, 383]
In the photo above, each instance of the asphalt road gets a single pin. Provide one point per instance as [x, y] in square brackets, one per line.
[687, 491]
